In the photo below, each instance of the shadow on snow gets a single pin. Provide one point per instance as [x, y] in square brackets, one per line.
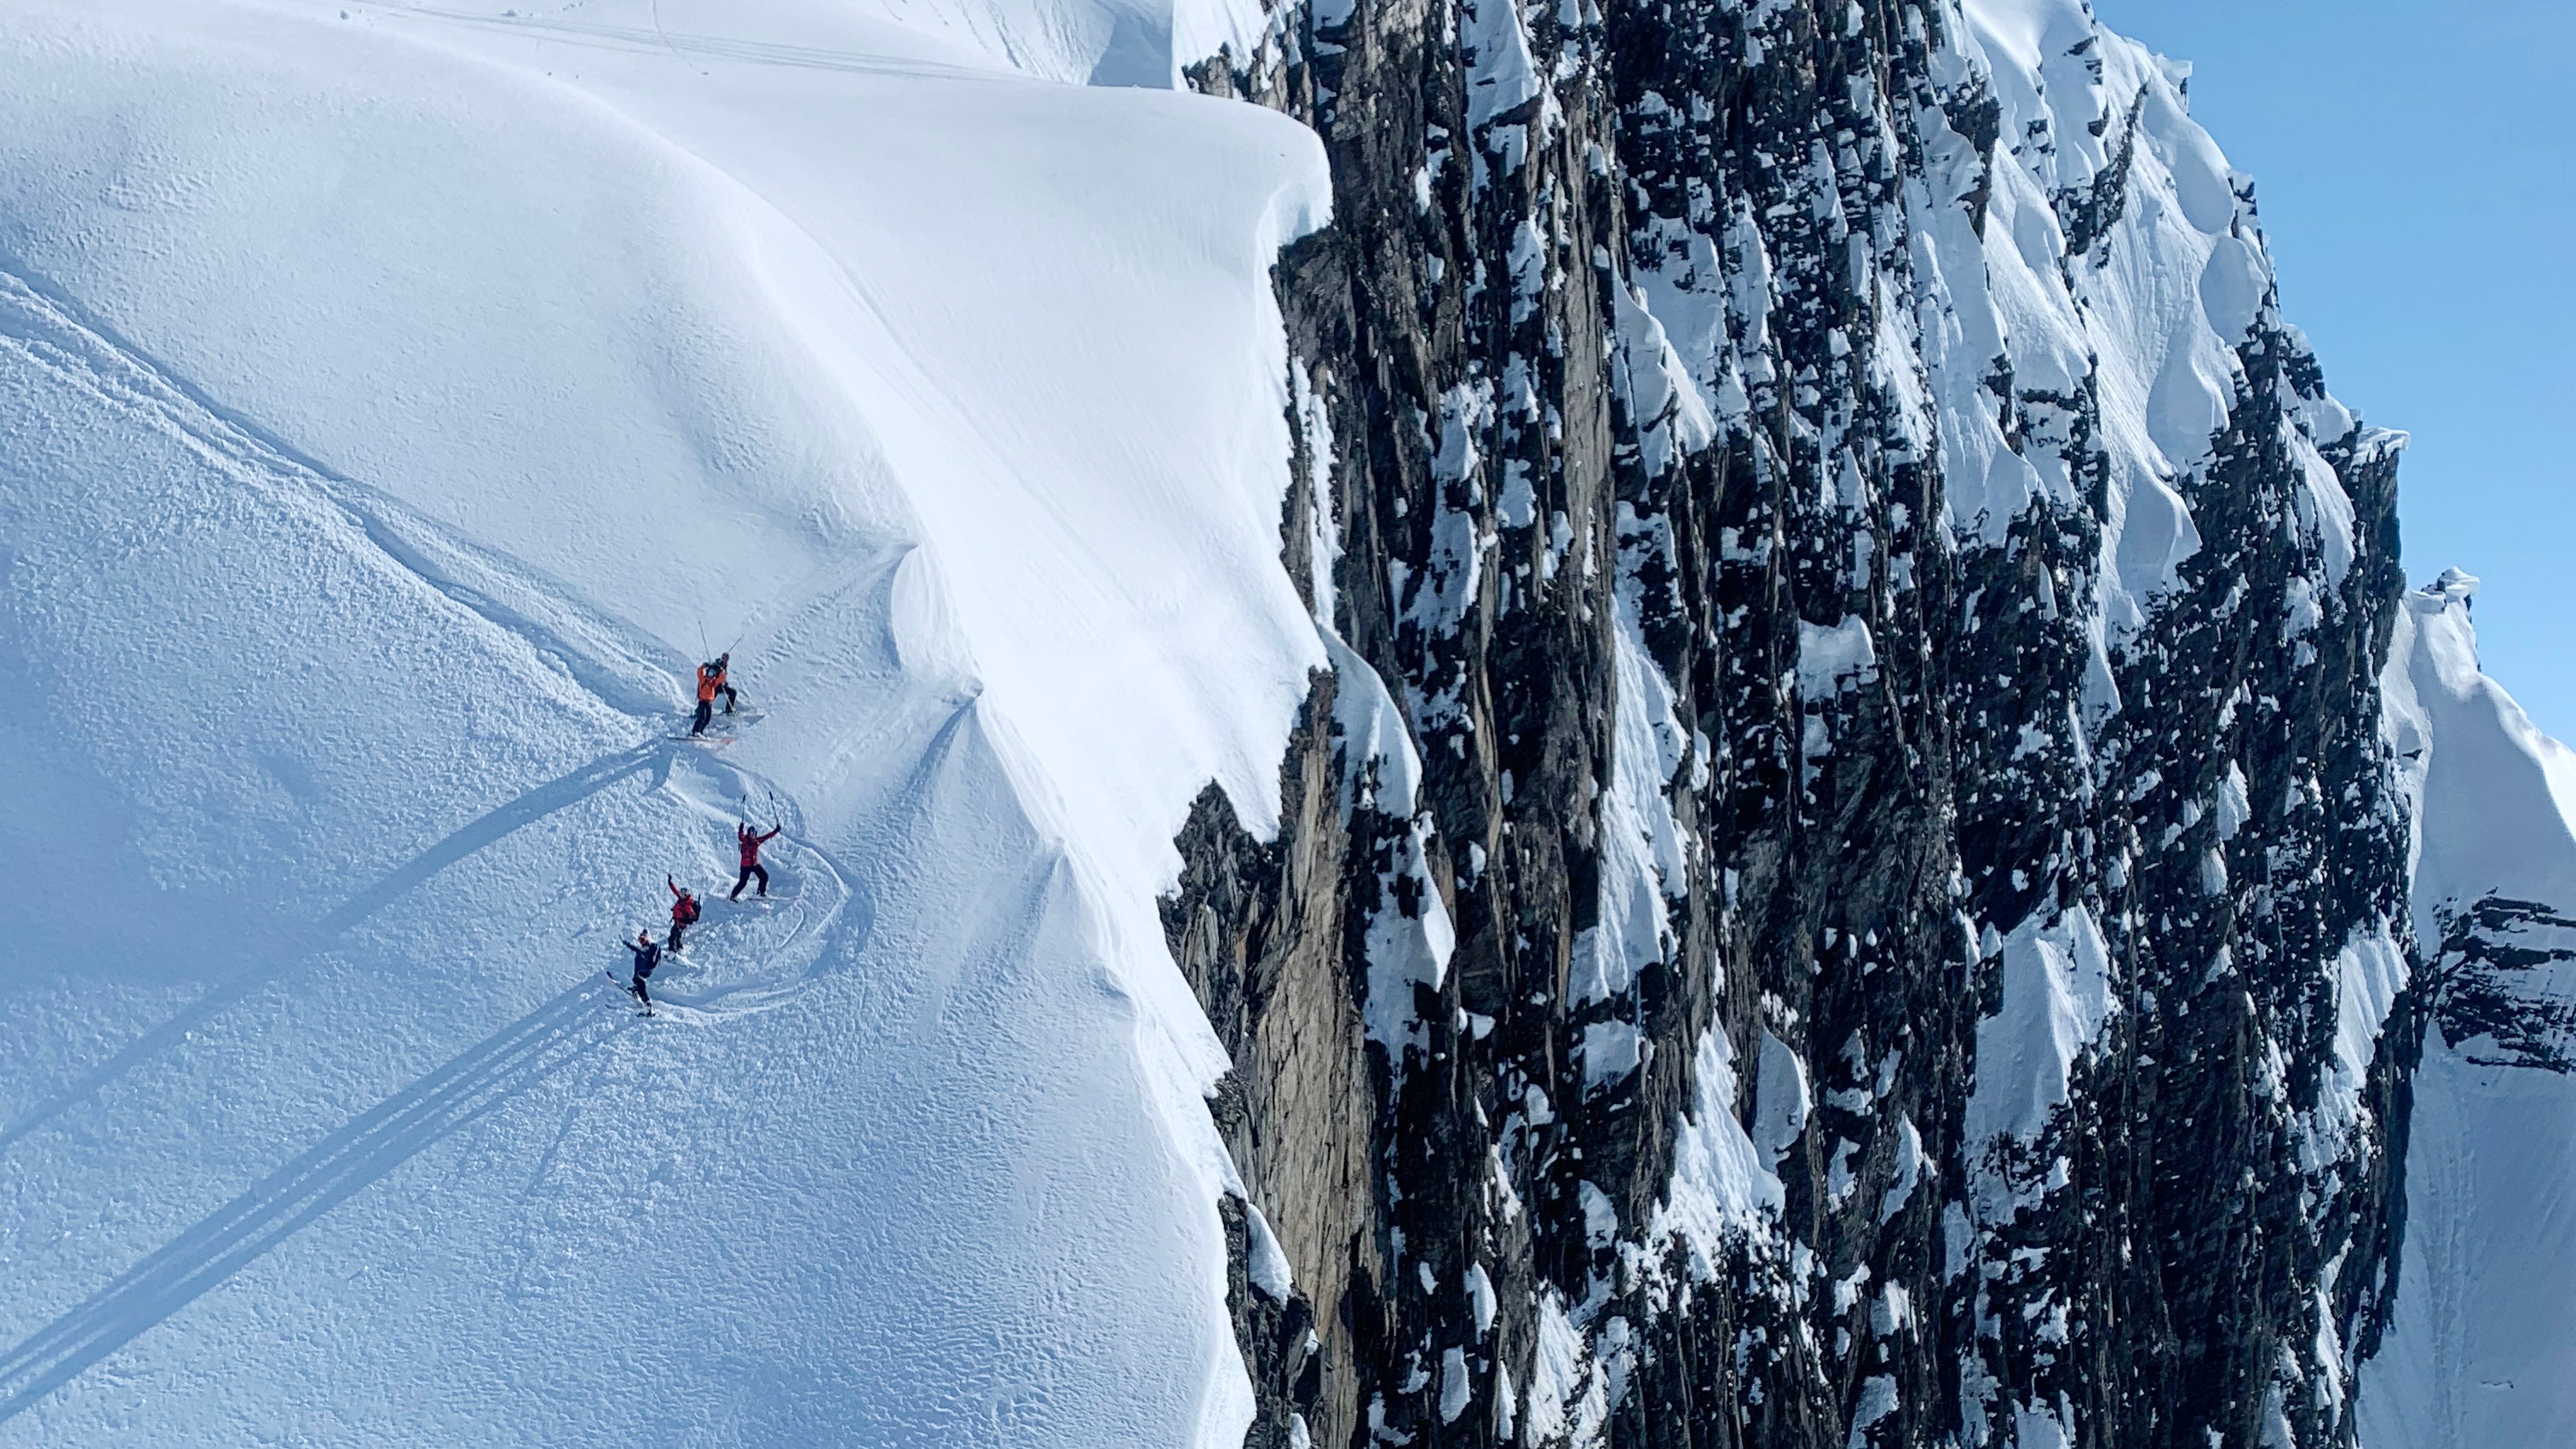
[501, 1067]
[486, 830]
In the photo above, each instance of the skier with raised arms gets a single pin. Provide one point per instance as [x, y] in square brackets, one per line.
[684, 912]
[749, 843]
[647, 956]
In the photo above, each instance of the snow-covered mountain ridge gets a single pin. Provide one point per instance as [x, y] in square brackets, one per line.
[1689, 727]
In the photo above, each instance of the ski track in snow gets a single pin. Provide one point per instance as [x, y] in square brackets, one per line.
[613, 668]
[504, 1064]
[388, 412]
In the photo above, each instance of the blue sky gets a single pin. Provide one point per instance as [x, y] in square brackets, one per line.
[2416, 172]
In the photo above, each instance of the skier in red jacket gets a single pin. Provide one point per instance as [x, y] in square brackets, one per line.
[684, 912]
[750, 843]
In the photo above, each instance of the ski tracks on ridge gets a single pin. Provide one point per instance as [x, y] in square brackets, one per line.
[616, 667]
[619, 667]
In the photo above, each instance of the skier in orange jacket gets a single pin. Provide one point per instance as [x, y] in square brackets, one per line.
[711, 682]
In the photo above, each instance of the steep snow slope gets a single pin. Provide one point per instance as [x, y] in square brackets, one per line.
[2482, 1347]
[389, 425]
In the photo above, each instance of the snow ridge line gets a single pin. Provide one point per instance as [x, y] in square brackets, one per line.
[619, 666]
[681, 44]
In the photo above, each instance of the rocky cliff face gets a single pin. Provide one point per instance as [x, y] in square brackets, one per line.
[1845, 888]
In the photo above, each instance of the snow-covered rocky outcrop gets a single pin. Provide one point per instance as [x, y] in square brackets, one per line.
[1890, 626]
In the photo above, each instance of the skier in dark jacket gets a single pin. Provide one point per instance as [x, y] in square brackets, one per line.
[750, 842]
[684, 912]
[647, 956]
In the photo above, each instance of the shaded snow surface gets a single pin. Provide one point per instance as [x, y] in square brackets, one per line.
[396, 405]
[2482, 1349]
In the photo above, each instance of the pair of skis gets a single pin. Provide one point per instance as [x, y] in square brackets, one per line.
[626, 988]
[736, 720]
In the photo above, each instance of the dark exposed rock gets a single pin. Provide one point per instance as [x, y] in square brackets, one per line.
[2480, 984]
[1880, 770]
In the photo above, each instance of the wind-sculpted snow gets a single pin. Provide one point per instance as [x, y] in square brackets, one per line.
[397, 406]
[2481, 1347]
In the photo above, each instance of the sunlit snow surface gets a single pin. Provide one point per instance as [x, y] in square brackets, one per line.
[396, 405]
[398, 398]
[2483, 1348]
